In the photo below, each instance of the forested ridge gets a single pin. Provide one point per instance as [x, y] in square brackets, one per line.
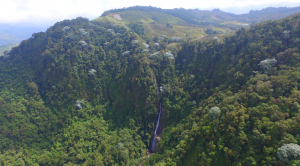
[216, 17]
[85, 93]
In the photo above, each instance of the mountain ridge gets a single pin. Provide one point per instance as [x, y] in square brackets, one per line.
[85, 92]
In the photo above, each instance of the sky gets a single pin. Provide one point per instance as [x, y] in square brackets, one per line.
[41, 12]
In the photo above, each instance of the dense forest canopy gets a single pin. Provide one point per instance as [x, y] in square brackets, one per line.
[86, 93]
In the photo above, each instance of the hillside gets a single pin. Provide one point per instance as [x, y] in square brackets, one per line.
[194, 24]
[88, 93]
[154, 23]
[254, 16]
[271, 13]
[217, 17]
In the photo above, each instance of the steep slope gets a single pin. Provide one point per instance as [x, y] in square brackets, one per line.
[242, 113]
[52, 72]
[85, 93]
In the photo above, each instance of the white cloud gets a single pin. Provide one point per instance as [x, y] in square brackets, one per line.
[36, 11]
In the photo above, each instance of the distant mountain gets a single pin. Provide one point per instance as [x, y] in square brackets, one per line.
[188, 23]
[15, 33]
[217, 17]
[271, 13]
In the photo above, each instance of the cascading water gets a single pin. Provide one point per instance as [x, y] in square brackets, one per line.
[158, 126]
[158, 119]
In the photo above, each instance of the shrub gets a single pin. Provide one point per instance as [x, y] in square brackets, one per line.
[169, 55]
[169, 25]
[145, 45]
[214, 112]
[125, 53]
[92, 72]
[65, 29]
[288, 151]
[286, 34]
[70, 36]
[6, 55]
[154, 55]
[267, 64]
[111, 31]
[176, 39]
[92, 47]
[145, 51]
[83, 43]
[78, 104]
[120, 145]
[93, 25]
[134, 42]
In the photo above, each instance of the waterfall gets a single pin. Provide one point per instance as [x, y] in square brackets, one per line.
[156, 133]
[158, 119]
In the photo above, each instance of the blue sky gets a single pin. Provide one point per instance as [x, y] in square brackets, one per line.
[41, 11]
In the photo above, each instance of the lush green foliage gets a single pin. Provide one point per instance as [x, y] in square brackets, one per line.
[219, 105]
[137, 28]
[259, 112]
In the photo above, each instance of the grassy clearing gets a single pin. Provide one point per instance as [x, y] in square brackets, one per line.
[158, 29]
[178, 31]
[223, 29]
[180, 28]
[133, 16]
[109, 19]
[191, 32]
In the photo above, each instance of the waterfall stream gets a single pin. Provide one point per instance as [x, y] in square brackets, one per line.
[158, 126]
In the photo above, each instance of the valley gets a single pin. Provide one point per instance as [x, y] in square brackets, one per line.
[208, 88]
